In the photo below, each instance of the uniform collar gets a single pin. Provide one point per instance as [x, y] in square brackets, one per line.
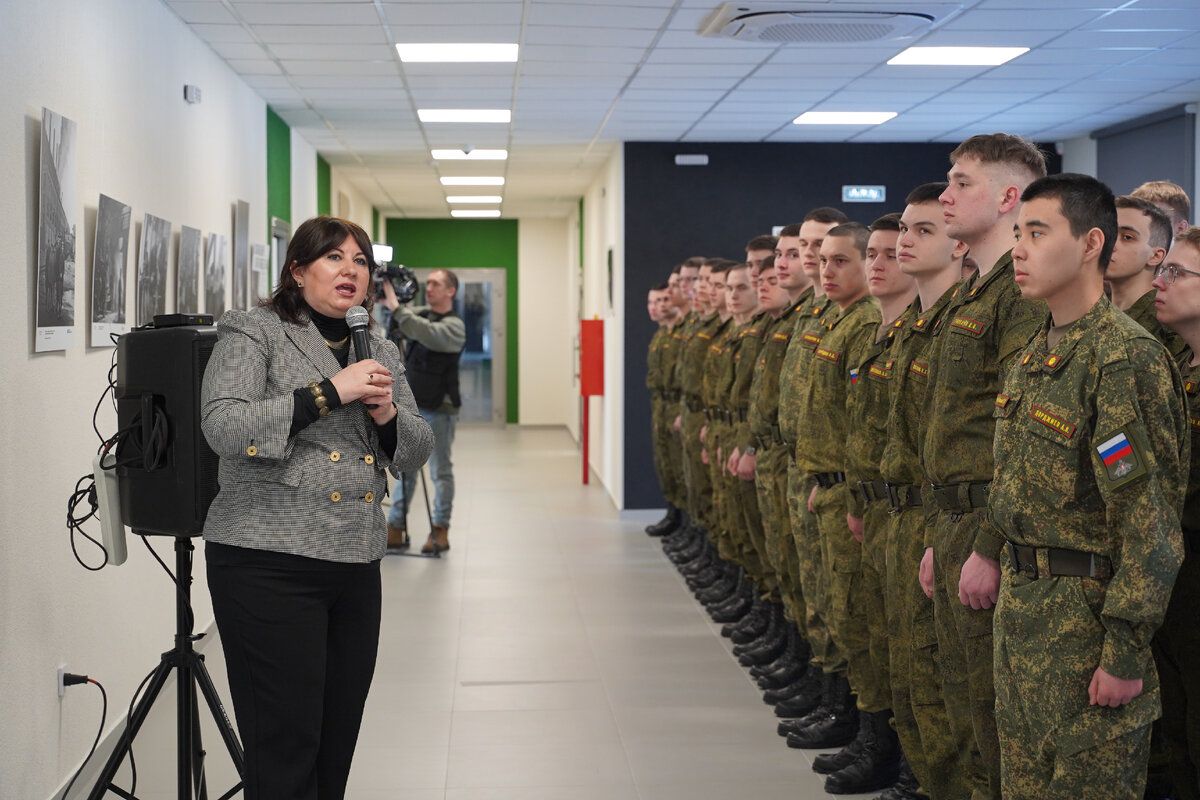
[1038, 358]
[851, 310]
[976, 286]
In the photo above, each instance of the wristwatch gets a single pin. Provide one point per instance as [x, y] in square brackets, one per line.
[749, 451]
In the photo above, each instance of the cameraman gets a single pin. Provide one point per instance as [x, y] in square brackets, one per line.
[431, 338]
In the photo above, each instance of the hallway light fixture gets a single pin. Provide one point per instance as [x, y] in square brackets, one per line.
[956, 56]
[469, 155]
[479, 212]
[456, 52]
[474, 198]
[843, 117]
[476, 181]
[502, 115]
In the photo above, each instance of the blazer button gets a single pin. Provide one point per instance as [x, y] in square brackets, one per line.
[369, 497]
[370, 459]
[335, 496]
[251, 450]
[335, 456]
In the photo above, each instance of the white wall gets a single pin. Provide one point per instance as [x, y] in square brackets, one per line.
[360, 206]
[117, 69]
[304, 180]
[572, 303]
[546, 367]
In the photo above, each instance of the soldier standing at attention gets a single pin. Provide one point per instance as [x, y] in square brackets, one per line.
[1143, 237]
[1177, 643]
[985, 328]
[1091, 454]
[664, 312]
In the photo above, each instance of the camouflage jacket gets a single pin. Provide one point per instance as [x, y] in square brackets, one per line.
[1191, 387]
[867, 406]
[654, 365]
[822, 419]
[807, 331]
[1091, 454]
[695, 351]
[718, 365]
[987, 325]
[1143, 313]
[764, 385]
[749, 345]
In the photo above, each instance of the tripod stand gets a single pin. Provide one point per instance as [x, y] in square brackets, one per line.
[437, 553]
[192, 674]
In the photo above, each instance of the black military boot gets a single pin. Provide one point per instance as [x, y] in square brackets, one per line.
[667, 524]
[723, 590]
[801, 698]
[789, 667]
[752, 627]
[774, 619]
[878, 763]
[906, 786]
[773, 643]
[819, 709]
[756, 615]
[738, 605]
[837, 727]
[829, 763]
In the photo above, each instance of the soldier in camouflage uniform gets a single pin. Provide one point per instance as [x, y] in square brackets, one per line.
[821, 457]
[1091, 454]
[986, 327]
[663, 312]
[1177, 643]
[1143, 237]
[696, 336]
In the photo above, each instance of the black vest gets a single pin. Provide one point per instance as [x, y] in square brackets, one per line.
[432, 375]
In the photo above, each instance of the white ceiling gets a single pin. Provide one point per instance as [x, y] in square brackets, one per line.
[595, 73]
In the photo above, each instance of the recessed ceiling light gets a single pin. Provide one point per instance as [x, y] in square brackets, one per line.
[474, 198]
[462, 212]
[478, 181]
[469, 155]
[957, 56]
[464, 115]
[456, 52]
[843, 117]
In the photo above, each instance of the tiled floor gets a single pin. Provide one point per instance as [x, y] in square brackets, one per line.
[555, 654]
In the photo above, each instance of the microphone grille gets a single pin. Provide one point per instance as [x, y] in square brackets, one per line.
[357, 317]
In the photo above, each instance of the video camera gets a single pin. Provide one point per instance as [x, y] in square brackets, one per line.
[403, 280]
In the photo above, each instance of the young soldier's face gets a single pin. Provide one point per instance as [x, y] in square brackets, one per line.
[652, 305]
[663, 305]
[971, 203]
[1132, 251]
[701, 301]
[812, 235]
[1179, 302]
[1047, 258]
[884, 278]
[787, 263]
[739, 292]
[771, 296]
[716, 291]
[673, 289]
[755, 258]
[843, 271]
[687, 285]
[923, 246]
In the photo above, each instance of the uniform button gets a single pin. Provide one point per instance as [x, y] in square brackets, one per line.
[251, 450]
[335, 456]
[335, 496]
[369, 459]
[369, 497]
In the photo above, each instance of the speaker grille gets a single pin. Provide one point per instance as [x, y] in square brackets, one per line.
[826, 32]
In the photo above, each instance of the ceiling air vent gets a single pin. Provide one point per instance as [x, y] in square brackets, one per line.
[823, 23]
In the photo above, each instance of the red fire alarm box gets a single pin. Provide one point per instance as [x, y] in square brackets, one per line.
[591, 357]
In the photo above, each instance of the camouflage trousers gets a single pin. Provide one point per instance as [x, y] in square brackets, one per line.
[662, 427]
[724, 534]
[965, 643]
[1177, 655]
[760, 569]
[770, 478]
[917, 705]
[841, 558]
[1054, 745]
[878, 695]
[806, 538]
[695, 471]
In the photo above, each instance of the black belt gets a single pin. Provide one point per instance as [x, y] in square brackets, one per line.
[1060, 562]
[1191, 541]
[961, 496]
[903, 495]
[693, 404]
[827, 480]
[670, 396]
[872, 490]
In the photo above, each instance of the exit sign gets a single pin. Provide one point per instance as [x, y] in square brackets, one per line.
[864, 194]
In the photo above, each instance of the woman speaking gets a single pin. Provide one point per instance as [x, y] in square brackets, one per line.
[304, 427]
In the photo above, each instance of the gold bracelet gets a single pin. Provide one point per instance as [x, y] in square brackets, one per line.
[319, 396]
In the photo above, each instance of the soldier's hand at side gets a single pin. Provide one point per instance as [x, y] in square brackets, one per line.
[731, 462]
[812, 496]
[926, 572]
[703, 434]
[1109, 690]
[745, 467]
[704, 455]
[979, 582]
[678, 422]
[856, 526]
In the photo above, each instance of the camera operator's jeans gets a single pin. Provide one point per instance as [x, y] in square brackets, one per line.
[440, 468]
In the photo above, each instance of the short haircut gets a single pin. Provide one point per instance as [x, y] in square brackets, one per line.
[1160, 223]
[1003, 148]
[1190, 236]
[926, 193]
[855, 231]
[676, 268]
[888, 222]
[1169, 194]
[660, 287]
[792, 230]
[767, 263]
[722, 265]
[1085, 202]
[694, 261]
[451, 278]
[764, 242]
[712, 261]
[826, 214]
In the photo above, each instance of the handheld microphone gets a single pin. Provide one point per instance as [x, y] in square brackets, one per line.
[358, 319]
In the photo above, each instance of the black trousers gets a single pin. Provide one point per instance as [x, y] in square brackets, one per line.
[300, 637]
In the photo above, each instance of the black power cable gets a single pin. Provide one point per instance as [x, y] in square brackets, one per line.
[70, 679]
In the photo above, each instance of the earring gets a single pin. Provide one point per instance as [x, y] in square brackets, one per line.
[299, 284]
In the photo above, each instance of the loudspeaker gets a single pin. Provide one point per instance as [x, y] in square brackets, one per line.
[167, 471]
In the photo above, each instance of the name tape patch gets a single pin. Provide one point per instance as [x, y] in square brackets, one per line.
[1052, 422]
[829, 355]
[971, 326]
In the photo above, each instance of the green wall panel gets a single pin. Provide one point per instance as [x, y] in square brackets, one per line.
[324, 181]
[279, 169]
[465, 243]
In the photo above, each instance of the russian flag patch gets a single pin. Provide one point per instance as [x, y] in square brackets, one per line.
[1120, 458]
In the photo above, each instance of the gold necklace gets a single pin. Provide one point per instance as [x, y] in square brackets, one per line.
[339, 344]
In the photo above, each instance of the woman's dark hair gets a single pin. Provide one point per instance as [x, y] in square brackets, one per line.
[314, 238]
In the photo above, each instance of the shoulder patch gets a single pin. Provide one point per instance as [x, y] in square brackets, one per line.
[1121, 457]
[1052, 422]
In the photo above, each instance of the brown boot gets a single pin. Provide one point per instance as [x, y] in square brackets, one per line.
[439, 540]
[397, 538]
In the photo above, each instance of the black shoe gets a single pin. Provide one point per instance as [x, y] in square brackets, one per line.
[783, 669]
[667, 524]
[829, 763]
[765, 654]
[803, 700]
[906, 786]
[753, 626]
[719, 593]
[878, 763]
[755, 616]
[786, 675]
[773, 631]
[837, 726]
[737, 608]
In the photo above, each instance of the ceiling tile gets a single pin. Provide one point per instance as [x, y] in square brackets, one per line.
[596, 15]
[320, 36]
[495, 12]
[322, 14]
[207, 13]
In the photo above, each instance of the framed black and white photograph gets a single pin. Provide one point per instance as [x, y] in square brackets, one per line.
[260, 273]
[152, 269]
[57, 220]
[241, 254]
[188, 271]
[215, 262]
[110, 265]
